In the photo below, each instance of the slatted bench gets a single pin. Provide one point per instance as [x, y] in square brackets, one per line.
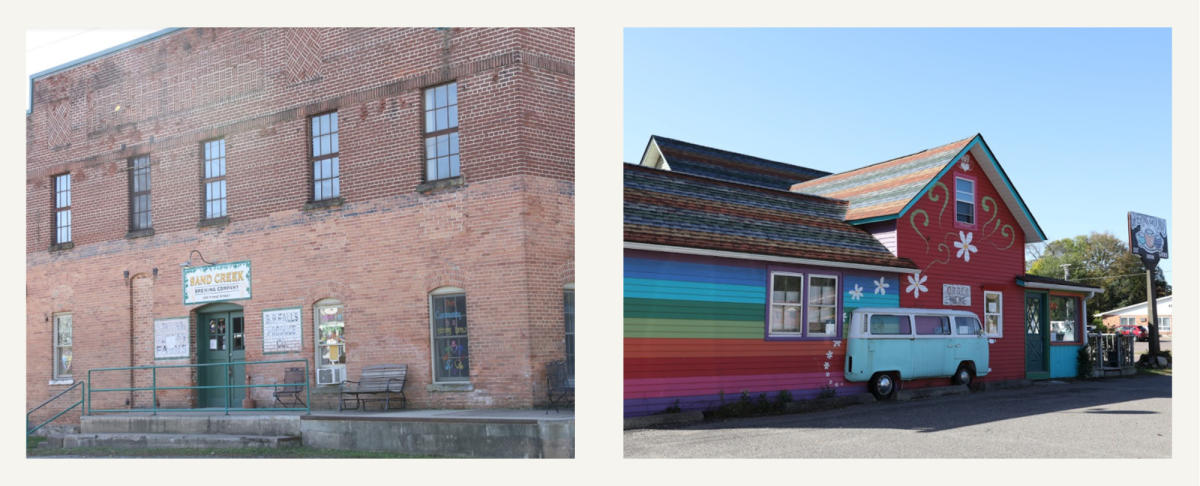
[375, 383]
[559, 385]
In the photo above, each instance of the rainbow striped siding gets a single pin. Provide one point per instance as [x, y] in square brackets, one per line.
[695, 330]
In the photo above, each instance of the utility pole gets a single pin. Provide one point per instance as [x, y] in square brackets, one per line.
[1066, 271]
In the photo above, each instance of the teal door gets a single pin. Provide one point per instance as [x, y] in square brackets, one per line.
[221, 341]
[1036, 340]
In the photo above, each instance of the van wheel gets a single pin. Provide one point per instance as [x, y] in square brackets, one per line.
[964, 375]
[883, 386]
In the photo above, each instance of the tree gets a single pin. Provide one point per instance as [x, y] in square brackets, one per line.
[1100, 260]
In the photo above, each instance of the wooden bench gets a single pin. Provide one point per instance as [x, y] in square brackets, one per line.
[293, 386]
[559, 385]
[375, 383]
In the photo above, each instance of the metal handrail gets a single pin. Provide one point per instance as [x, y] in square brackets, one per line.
[30, 431]
[154, 388]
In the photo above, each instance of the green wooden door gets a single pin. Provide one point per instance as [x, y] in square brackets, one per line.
[222, 340]
[1037, 343]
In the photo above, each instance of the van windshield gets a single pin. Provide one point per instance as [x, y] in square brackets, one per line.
[882, 324]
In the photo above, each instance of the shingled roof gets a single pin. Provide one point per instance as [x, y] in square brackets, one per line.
[682, 210]
[885, 188]
[689, 158]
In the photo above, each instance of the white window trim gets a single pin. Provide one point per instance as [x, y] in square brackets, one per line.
[55, 378]
[433, 341]
[957, 180]
[807, 304]
[317, 345]
[771, 305]
[1000, 315]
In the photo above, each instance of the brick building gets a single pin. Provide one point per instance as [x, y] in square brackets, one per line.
[343, 196]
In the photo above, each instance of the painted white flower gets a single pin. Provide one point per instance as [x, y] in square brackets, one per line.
[965, 162]
[837, 344]
[829, 355]
[856, 294]
[826, 365]
[916, 285]
[827, 374]
[881, 286]
[965, 248]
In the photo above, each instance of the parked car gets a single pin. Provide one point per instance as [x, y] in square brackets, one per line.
[1138, 332]
[886, 345]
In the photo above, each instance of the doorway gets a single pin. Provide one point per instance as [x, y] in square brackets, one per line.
[220, 332]
[1037, 342]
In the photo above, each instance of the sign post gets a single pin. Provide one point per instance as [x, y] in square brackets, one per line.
[1148, 240]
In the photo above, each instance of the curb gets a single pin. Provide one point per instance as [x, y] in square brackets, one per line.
[678, 418]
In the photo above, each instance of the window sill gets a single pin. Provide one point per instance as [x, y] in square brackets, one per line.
[450, 387]
[63, 381]
[62, 246]
[332, 202]
[208, 223]
[139, 233]
[441, 184]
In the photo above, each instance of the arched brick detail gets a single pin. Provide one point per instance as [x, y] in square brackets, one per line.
[450, 275]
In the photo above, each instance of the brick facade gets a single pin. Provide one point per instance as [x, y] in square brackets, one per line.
[503, 232]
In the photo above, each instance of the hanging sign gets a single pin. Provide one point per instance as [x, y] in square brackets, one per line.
[171, 338]
[1148, 238]
[282, 330]
[956, 295]
[216, 283]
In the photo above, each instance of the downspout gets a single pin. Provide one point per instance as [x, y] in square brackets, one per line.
[129, 283]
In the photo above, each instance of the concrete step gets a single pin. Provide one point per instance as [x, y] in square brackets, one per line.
[268, 425]
[136, 440]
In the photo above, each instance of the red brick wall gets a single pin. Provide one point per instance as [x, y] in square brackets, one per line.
[505, 235]
[999, 259]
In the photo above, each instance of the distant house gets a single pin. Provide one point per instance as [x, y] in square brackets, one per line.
[1139, 315]
[940, 228]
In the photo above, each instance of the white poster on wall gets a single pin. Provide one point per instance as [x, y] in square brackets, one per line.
[171, 338]
[956, 294]
[282, 330]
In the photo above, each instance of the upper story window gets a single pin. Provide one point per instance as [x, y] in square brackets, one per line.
[62, 209]
[964, 201]
[139, 193]
[325, 170]
[441, 132]
[214, 179]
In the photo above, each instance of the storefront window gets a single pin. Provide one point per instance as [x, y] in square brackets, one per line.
[330, 318]
[448, 321]
[1063, 318]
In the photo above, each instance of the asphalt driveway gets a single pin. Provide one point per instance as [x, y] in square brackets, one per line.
[1131, 416]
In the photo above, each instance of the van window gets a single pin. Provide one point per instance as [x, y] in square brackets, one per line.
[967, 325]
[884, 324]
[928, 325]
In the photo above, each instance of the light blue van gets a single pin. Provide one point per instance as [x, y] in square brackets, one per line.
[886, 345]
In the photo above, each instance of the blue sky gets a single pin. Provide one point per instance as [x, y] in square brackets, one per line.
[1079, 118]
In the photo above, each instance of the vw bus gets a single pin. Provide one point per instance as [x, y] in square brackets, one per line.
[886, 345]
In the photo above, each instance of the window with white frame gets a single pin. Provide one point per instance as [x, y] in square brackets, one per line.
[964, 201]
[441, 132]
[329, 317]
[62, 346]
[448, 330]
[786, 310]
[1164, 324]
[1064, 319]
[822, 305]
[62, 209]
[214, 179]
[993, 313]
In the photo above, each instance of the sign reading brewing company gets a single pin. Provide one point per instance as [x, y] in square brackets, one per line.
[171, 338]
[1148, 238]
[215, 283]
[956, 294]
[282, 330]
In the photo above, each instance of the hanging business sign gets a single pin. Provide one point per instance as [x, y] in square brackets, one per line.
[1148, 238]
[216, 283]
[282, 330]
[171, 338]
[956, 295]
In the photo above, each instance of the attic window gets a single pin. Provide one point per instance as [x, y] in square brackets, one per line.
[964, 201]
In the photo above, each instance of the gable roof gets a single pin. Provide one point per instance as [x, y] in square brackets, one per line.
[672, 209]
[886, 190]
[689, 158]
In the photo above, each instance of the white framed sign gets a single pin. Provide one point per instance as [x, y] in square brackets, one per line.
[282, 330]
[956, 294]
[171, 338]
[216, 283]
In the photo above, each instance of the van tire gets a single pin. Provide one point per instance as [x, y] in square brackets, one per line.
[883, 386]
[965, 375]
